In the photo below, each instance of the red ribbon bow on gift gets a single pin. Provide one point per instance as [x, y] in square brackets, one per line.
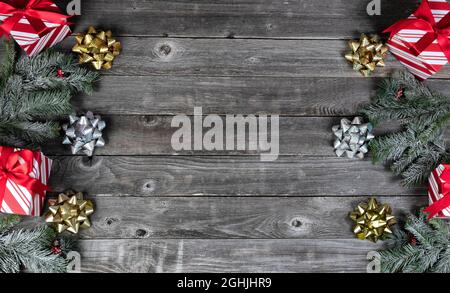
[425, 22]
[16, 166]
[444, 189]
[36, 11]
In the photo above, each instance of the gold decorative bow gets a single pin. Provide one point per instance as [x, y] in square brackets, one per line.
[69, 212]
[97, 47]
[366, 54]
[373, 221]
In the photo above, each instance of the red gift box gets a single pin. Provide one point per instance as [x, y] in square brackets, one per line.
[34, 24]
[421, 42]
[439, 192]
[23, 181]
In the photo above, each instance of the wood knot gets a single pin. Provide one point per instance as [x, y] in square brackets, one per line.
[296, 223]
[90, 162]
[165, 49]
[253, 59]
[110, 221]
[86, 161]
[149, 186]
[150, 120]
[141, 233]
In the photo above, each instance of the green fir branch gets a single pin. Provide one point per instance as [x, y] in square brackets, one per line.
[443, 263]
[428, 253]
[399, 259]
[418, 148]
[33, 98]
[39, 72]
[42, 105]
[7, 67]
[29, 250]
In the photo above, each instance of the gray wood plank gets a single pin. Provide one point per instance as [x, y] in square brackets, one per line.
[241, 19]
[307, 96]
[167, 95]
[239, 58]
[232, 217]
[227, 95]
[225, 255]
[220, 57]
[284, 94]
[215, 176]
[151, 135]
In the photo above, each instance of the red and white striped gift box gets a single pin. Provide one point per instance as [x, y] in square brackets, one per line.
[19, 200]
[431, 59]
[32, 41]
[437, 189]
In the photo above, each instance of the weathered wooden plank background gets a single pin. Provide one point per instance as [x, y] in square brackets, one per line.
[161, 211]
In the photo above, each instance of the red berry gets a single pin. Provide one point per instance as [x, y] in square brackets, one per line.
[56, 247]
[56, 250]
[399, 94]
[60, 73]
[412, 239]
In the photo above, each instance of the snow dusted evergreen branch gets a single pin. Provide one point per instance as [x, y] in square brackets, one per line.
[33, 97]
[38, 73]
[30, 249]
[419, 147]
[423, 246]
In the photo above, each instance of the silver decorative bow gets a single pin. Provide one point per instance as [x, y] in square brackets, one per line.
[84, 133]
[352, 138]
